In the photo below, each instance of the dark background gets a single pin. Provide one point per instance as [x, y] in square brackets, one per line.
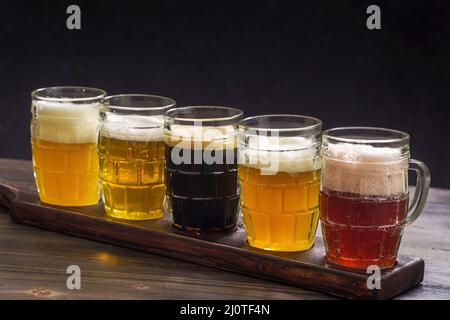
[306, 57]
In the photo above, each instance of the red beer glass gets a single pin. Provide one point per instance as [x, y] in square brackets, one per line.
[364, 198]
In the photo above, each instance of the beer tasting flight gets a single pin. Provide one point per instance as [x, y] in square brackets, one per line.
[144, 157]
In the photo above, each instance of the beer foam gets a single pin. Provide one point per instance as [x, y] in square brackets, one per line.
[65, 122]
[199, 137]
[280, 154]
[364, 169]
[133, 127]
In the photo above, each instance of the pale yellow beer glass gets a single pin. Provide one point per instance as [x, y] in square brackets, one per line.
[131, 151]
[64, 129]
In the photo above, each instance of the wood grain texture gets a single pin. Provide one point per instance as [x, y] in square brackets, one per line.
[220, 285]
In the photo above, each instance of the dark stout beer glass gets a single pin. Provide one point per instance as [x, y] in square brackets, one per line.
[201, 168]
[364, 195]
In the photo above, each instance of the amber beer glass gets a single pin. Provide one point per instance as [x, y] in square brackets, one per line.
[201, 168]
[64, 130]
[131, 151]
[364, 195]
[279, 175]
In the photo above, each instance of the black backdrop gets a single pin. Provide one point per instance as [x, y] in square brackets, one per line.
[306, 57]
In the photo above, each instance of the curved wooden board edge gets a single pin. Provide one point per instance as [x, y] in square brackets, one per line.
[7, 196]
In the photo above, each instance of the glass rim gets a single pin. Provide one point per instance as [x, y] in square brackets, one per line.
[238, 114]
[316, 125]
[402, 136]
[37, 94]
[170, 102]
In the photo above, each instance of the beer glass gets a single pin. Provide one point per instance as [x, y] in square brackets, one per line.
[131, 152]
[364, 195]
[63, 139]
[279, 175]
[201, 168]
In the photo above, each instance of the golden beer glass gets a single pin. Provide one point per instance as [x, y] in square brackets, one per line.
[131, 152]
[279, 176]
[64, 144]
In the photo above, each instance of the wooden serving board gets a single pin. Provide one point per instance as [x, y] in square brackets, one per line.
[230, 252]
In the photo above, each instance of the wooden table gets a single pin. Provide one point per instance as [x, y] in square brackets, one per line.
[33, 264]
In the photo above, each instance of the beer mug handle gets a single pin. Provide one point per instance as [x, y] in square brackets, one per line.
[421, 192]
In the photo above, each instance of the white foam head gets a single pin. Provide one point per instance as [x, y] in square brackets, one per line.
[133, 127]
[198, 137]
[364, 169]
[65, 122]
[280, 154]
